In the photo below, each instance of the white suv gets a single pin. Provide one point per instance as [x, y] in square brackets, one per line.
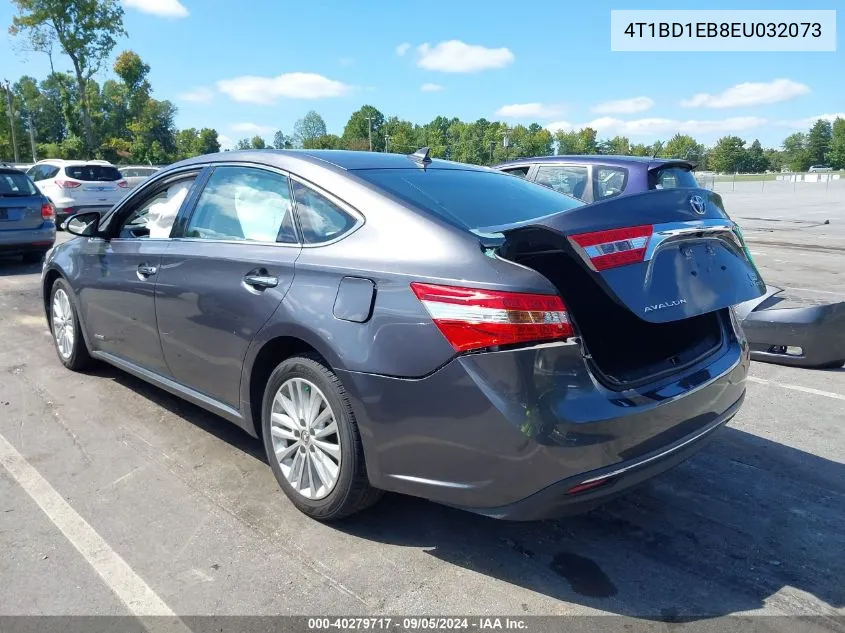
[74, 186]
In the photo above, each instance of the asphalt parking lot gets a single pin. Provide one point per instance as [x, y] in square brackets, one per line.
[753, 524]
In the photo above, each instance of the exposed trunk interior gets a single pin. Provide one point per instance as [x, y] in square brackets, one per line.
[624, 349]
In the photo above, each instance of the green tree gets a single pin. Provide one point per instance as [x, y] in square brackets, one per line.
[86, 31]
[728, 155]
[187, 143]
[837, 144]
[257, 142]
[756, 161]
[308, 128]
[684, 147]
[795, 152]
[774, 158]
[616, 146]
[582, 141]
[818, 142]
[327, 141]
[244, 143]
[154, 133]
[639, 149]
[357, 129]
[207, 142]
[280, 141]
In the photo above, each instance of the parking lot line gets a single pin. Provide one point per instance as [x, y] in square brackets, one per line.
[130, 588]
[815, 392]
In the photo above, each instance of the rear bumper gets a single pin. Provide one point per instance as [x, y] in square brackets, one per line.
[13, 242]
[506, 433]
[559, 499]
[816, 333]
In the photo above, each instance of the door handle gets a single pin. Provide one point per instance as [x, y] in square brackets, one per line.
[146, 270]
[260, 282]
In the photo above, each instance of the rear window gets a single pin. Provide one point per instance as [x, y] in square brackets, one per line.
[96, 173]
[14, 183]
[673, 178]
[471, 199]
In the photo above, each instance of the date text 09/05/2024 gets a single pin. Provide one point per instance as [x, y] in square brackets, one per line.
[724, 29]
[416, 624]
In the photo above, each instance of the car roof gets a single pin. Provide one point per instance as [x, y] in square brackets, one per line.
[602, 159]
[345, 160]
[71, 163]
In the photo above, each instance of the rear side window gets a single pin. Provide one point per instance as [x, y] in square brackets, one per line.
[244, 203]
[568, 179]
[93, 173]
[469, 198]
[673, 178]
[522, 172]
[320, 219]
[608, 182]
[14, 184]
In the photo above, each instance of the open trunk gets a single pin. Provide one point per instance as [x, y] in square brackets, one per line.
[646, 279]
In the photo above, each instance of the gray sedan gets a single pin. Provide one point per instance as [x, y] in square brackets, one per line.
[392, 322]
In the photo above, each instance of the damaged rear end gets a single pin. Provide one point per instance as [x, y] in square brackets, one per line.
[648, 280]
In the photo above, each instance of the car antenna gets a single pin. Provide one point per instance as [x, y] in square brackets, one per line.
[421, 156]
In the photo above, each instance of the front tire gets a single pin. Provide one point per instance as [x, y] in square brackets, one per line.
[64, 325]
[312, 441]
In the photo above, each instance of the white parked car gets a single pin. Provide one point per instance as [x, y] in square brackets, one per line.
[817, 168]
[136, 174]
[74, 186]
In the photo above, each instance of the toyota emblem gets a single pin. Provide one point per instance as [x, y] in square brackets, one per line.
[698, 205]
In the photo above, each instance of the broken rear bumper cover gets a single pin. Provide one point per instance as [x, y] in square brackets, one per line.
[806, 336]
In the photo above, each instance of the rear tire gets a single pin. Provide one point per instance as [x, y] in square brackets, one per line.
[324, 484]
[65, 327]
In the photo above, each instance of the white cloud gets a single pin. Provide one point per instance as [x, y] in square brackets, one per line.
[251, 128]
[807, 122]
[455, 56]
[749, 94]
[402, 48]
[661, 126]
[161, 8]
[267, 90]
[197, 95]
[225, 141]
[624, 106]
[528, 110]
[346, 61]
[431, 88]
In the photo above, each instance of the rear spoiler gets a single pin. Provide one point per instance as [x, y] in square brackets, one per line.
[663, 164]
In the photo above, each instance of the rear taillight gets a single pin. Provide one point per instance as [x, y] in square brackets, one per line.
[122, 184]
[472, 318]
[47, 211]
[616, 247]
[67, 184]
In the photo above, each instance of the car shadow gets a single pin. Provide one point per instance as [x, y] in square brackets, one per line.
[13, 266]
[724, 532]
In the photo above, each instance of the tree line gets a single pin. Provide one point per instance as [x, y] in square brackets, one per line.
[70, 115]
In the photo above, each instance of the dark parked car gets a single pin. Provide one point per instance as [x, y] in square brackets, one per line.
[389, 322]
[27, 219]
[779, 329]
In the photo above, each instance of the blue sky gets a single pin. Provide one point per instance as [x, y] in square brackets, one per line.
[254, 66]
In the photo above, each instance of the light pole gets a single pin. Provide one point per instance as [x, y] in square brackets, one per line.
[370, 130]
[386, 142]
[12, 122]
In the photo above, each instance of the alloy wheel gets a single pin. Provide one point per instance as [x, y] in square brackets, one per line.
[63, 325]
[305, 438]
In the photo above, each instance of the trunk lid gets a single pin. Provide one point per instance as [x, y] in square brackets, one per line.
[20, 202]
[684, 257]
[98, 184]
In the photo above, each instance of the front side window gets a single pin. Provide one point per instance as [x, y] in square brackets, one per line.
[568, 179]
[608, 182]
[154, 216]
[320, 219]
[244, 203]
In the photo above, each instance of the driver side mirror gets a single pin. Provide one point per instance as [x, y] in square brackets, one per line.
[84, 224]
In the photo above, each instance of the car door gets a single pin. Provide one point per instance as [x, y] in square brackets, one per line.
[224, 275]
[119, 273]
